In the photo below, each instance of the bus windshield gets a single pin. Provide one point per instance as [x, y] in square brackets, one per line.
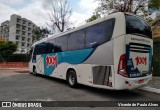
[137, 26]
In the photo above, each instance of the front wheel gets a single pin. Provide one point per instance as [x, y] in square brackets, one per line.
[72, 78]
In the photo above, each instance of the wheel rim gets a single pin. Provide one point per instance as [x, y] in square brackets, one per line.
[72, 79]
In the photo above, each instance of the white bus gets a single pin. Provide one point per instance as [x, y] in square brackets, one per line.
[114, 52]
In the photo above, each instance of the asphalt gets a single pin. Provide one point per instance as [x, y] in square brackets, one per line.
[153, 86]
[17, 84]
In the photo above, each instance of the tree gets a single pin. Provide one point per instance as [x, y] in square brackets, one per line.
[132, 6]
[40, 33]
[7, 49]
[95, 16]
[154, 4]
[59, 15]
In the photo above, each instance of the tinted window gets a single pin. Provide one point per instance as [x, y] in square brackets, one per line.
[80, 39]
[99, 33]
[61, 44]
[135, 25]
[40, 48]
[72, 40]
[108, 29]
[50, 47]
[76, 40]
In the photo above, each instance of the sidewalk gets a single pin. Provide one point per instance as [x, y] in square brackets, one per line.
[153, 86]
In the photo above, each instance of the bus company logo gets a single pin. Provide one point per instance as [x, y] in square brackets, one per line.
[6, 104]
[141, 60]
[52, 61]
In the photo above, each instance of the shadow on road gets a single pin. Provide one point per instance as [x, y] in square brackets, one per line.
[112, 94]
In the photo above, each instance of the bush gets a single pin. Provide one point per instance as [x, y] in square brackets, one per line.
[156, 59]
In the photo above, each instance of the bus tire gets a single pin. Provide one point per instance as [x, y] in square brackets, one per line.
[34, 71]
[72, 78]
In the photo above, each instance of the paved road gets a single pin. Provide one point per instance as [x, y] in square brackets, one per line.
[15, 86]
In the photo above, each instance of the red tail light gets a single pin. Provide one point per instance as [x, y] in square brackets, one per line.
[122, 66]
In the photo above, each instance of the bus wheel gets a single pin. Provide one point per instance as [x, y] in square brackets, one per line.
[72, 78]
[34, 71]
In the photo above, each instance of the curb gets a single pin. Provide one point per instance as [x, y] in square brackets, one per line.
[150, 89]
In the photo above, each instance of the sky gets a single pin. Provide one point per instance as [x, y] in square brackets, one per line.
[38, 10]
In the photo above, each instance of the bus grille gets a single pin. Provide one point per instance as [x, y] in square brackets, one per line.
[141, 48]
[101, 75]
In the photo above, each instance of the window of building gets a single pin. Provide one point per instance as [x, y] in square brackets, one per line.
[18, 20]
[29, 29]
[17, 37]
[23, 44]
[23, 38]
[24, 28]
[28, 39]
[28, 45]
[29, 24]
[17, 42]
[23, 33]
[18, 26]
[24, 22]
[17, 31]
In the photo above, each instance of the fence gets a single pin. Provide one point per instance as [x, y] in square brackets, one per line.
[15, 61]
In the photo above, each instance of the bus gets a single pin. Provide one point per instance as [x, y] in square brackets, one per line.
[114, 52]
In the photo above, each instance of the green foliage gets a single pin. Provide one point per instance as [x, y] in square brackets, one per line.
[40, 33]
[131, 6]
[154, 4]
[156, 58]
[156, 39]
[7, 49]
[95, 16]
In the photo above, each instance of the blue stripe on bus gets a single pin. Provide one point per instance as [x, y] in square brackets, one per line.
[71, 57]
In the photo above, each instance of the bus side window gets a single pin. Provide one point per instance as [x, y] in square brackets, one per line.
[40, 48]
[72, 41]
[50, 47]
[99, 33]
[61, 44]
[80, 39]
[108, 29]
[94, 35]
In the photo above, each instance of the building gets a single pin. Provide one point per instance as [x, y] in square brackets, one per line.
[4, 30]
[18, 30]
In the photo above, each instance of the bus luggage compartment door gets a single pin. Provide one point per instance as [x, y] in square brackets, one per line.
[102, 75]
